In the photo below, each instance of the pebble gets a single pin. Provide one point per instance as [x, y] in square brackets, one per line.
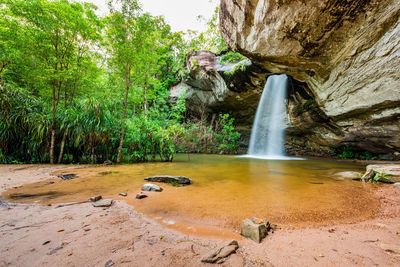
[141, 196]
[95, 198]
[109, 263]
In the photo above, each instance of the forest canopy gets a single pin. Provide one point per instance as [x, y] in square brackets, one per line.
[76, 87]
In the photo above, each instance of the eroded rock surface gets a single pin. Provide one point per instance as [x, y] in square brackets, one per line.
[213, 87]
[347, 52]
[218, 255]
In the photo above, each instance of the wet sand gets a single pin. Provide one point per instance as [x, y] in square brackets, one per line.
[81, 235]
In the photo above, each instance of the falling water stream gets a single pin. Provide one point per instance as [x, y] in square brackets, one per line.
[268, 134]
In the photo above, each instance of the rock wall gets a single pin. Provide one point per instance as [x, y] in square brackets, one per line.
[346, 52]
[212, 88]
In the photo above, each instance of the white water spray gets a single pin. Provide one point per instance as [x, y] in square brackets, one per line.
[268, 134]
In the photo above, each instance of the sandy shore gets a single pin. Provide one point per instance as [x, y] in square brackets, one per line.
[81, 235]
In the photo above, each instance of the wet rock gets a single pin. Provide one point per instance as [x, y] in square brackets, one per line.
[387, 157]
[66, 177]
[368, 175]
[95, 198]
[103, 203]
[349, 175]
[254, 229]
[151, 188]
[108, 162]
[123, 194]
[391, 171]
[141, 196]
[218, 255]
[109, 263]
[180, 180]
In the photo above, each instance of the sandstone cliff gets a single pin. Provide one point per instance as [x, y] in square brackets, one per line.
[346, 52]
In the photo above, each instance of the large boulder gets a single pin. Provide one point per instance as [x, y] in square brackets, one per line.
[346, 52]
[213, 87]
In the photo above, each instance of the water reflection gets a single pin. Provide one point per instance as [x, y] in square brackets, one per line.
[225, 190]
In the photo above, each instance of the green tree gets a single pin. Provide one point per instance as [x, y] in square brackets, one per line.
[56, 28]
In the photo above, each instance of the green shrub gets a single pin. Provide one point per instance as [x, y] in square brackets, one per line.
[304, 107]
[231, 57]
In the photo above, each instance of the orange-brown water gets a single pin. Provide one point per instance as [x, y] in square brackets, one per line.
[225, 190]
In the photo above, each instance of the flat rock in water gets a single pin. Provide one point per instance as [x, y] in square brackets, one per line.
[123, 194]
[103, 203]
[349, 175]
[67, 177]
[151, 188]
[218, 255]
[181, 180]
[392, 171]
[254, 229]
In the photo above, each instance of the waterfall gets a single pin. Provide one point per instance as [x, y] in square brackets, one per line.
[268, 134]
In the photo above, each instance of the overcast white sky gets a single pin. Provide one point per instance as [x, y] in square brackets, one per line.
[180, 14]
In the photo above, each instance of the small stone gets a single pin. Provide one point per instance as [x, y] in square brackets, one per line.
[45, 243]
[109, 263]
[95, 198]
[123, 194]
[219, 254]
[151, 188]
[68, 176]
[254, 230]
[108, 162]
[53, 251]
[141, 196]
[103, 203]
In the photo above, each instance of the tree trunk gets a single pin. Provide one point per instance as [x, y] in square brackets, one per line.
[53, 139]
[121, 142]
[145, 98]
[60, 156]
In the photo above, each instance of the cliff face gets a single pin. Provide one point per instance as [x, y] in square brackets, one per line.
[213, 87]
[346, 52]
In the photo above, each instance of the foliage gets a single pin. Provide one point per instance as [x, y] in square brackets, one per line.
[381, 177]
[304, 107]
[238, 67]
[231, 57]
[210, 39]
[75, 87]
[220, 137]
[348, 153]
[225, 133]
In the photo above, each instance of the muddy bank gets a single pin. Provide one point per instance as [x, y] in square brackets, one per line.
[81, 235]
